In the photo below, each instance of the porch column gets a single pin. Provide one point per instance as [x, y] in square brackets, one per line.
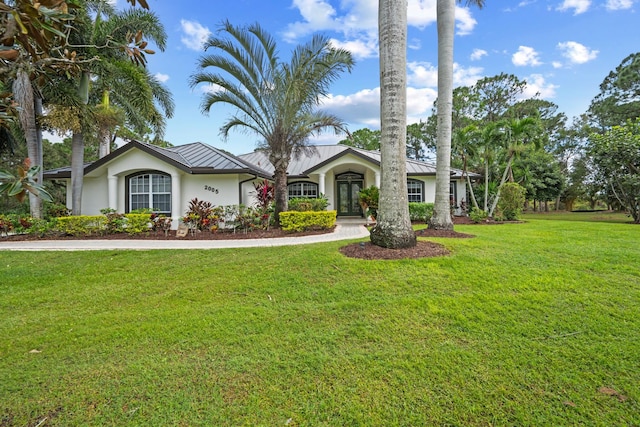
[176, 199]
[378, 179]
[321, 178]
[112, 191]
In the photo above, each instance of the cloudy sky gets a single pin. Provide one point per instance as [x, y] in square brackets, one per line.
[562, 48]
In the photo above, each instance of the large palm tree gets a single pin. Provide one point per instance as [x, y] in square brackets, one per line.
[276, 100]
[441, 218]
[393, 228]
[100, 31]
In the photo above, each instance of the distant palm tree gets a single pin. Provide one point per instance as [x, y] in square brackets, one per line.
[517, 133]
[393, 228]
[276, 100]
[441, 218]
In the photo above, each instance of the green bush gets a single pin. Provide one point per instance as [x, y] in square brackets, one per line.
[368, 199]
[419, 211]
[136, 223]
[477, 215]
[310, 220]
[81, 225]
[305, 204]
[512, 198]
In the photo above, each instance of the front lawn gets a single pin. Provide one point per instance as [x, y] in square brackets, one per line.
[527, 324]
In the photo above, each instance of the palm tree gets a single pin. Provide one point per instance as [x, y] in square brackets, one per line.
[517, 132]
[464, 144]
[393, 228]
[277, 101]
[101, 33]
[441, 219]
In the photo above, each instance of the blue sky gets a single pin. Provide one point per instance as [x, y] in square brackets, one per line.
[562, 48]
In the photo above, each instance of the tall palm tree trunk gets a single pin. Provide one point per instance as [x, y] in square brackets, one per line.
[441, 219]
[26, 99]
[502, 181]
[77, 172]
[393, 229]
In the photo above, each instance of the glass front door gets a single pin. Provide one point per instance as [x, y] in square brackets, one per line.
[348, 198]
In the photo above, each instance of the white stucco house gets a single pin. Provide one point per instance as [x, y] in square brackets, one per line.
[140, 175]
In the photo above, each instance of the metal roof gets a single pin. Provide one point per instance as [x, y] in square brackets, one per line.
[200, 158]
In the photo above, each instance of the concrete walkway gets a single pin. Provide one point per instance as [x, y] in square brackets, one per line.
[346, 229]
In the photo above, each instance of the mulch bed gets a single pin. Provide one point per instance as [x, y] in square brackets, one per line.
[171, 235]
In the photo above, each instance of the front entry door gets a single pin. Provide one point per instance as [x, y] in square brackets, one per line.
[348, 198]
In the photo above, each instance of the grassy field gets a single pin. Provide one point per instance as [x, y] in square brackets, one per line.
[527, 324]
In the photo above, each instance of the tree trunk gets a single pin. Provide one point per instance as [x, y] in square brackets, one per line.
[486, 185]
[502, 181]
[26, 99]
[281, 194]
[393, 228]
[441, 219]
[77, 172]
[104, 141]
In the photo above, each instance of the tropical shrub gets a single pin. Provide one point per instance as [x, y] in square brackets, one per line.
[512, 198]
[115, 222]
[305, 204]
[419, 211]
[478, 215]
[368, 200]
[136, 223]
[309, 220]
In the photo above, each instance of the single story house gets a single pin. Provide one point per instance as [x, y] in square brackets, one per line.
[139, 175]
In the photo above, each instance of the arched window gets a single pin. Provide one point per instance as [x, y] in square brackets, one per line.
[415, 190]
[149, 190]
[303, 189]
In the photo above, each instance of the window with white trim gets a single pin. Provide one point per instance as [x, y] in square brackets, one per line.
[150, 191]
[453, 193]
[303, 189]
[415, 190]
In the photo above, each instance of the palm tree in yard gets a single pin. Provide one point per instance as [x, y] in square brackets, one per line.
[517, 133]
[393, 229]
[117, 73]
[276, 100]
[441, 219]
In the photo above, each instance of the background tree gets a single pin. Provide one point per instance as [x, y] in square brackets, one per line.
[616, 154]
[393, 228]
[364, 138]
[276, 100]
[441, 218]
[417, 139]
[619, 97]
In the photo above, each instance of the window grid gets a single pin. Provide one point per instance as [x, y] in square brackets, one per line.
[303, 189]
[150, 191]
[414, 191]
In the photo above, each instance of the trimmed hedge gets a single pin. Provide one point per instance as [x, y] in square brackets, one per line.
[84, 225]
[309, 220]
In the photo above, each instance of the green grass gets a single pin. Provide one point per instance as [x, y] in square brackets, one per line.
[521, 325]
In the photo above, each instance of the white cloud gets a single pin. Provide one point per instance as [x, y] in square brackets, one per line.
[362, 107]
[425, 74]
[578, 6]
[619, 4]
[537, 86]
[195, 35]
[525, 56]
[161, 77]
[477, 54]
[556, 64]
[365, 47]
[577, 53]
[357, 20]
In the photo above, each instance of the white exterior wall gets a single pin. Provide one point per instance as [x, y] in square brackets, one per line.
[220, 190]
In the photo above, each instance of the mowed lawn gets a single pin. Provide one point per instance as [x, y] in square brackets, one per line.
[526, 324]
